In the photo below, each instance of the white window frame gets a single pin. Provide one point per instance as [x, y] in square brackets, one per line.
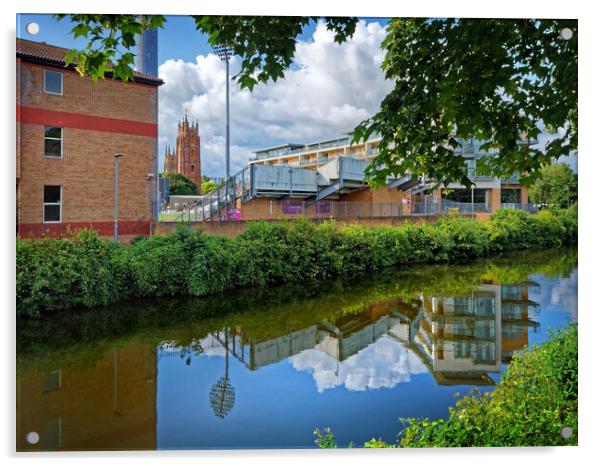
[60, 204]
[53, 139]
[62, 83]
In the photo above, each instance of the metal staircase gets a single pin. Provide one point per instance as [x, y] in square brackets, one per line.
[404, 183]
[339, 176]
[216, 202]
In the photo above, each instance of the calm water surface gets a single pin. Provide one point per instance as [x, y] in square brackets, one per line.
[264, 368]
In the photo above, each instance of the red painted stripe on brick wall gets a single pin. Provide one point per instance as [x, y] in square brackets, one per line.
[54, 230]
[40, 116]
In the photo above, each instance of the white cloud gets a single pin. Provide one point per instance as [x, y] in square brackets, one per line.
[383, 364]
[329, 90]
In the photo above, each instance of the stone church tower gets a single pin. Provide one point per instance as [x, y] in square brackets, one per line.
[186, 159]
[170, 163]
[188, 151]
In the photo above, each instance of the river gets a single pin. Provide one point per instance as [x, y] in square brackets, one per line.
[263, 368]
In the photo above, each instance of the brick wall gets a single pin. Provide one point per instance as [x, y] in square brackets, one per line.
[260, 207]
[495, 198]
[382, 195]
[98, 121]
[106, 98]
[18, 128]
[362, 203]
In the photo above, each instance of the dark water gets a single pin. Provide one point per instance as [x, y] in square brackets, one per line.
[264, 368]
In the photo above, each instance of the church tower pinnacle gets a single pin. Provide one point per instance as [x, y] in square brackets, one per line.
[188, 151]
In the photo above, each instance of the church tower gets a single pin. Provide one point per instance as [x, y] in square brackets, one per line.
[170, 164]
[188, 151]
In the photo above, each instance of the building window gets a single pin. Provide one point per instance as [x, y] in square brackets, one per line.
[510, 196]
[52, 204]
[192, 168]
[53, 141]
[53, 82]
[466, 195]
[471, 168]
[51, 434]
[51, 381]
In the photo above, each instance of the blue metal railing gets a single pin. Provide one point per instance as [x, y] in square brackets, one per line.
[520, 206]
[444, 206]
[514, 179]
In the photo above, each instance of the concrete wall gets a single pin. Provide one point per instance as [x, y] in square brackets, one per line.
[231, 229]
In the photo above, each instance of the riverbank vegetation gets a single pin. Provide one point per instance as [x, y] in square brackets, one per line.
[535, 400]
[86, 271]
[556, 186]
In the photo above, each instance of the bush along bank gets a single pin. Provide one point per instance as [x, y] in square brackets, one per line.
[86, 271]
[535, 400]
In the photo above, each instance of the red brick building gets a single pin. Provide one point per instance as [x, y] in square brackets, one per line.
[186, 159]
[68, 131]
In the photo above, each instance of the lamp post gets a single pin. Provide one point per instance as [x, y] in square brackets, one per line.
[472, 199]
[423, 193]
[224, 53]
[222, 395]
[116, 193]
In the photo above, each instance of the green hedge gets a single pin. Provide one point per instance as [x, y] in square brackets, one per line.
[85, 271]
[535, 399]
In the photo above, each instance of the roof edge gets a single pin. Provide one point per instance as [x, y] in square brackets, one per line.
[47, 61]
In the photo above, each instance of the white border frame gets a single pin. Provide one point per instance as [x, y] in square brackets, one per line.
[590, 253]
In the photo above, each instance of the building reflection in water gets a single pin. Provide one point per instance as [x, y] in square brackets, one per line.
[112, 405]
[108, 406]
[464, 338]
[460, 339]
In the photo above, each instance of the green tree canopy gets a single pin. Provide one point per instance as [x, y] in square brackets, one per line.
[556, 186]
[208, 186]
[179, 185]
[496, 80]
[266, 44]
